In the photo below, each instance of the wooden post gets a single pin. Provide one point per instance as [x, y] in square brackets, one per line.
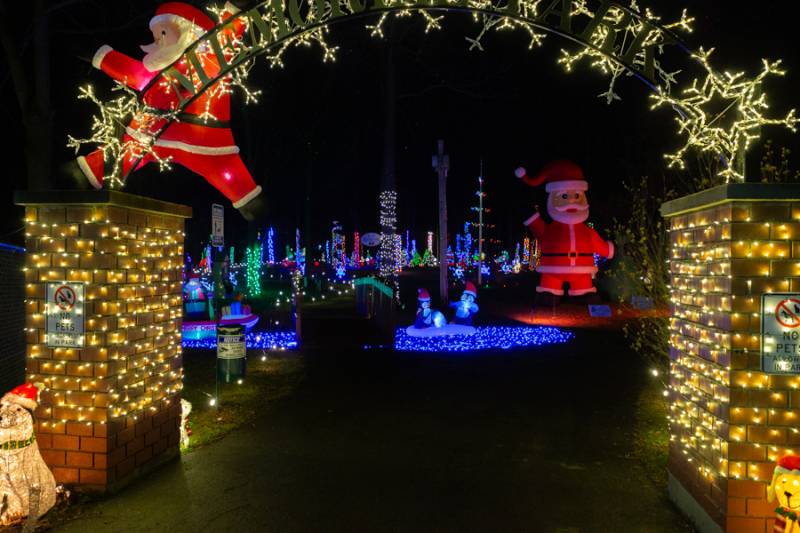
[441, 162]
[480, 226]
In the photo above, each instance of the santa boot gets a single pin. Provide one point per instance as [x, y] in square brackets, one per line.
[93, 166]
[255, 209]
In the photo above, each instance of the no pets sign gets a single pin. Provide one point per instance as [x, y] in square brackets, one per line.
[780, 333]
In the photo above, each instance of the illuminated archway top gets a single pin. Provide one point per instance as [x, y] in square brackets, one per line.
[614, 39]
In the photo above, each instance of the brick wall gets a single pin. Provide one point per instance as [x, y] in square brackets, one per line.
[12, 337]
[112, 408]
[729, 421]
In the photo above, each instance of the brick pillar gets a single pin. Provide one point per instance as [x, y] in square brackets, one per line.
[111, 409]
[729, 421]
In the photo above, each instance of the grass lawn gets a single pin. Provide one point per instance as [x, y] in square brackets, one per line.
[651, 433]
[266, 381]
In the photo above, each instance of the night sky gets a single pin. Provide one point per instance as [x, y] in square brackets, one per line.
[506, 105]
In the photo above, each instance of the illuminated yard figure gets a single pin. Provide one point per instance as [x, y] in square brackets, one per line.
[200, 138]
[568, 245]
[427, 317]
[785, 486]
[27, 487]
[466, 307]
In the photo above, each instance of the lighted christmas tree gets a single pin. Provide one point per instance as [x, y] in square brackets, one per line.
[481, 224]
[253, 275]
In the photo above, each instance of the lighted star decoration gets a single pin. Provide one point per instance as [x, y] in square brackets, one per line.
[744, 112]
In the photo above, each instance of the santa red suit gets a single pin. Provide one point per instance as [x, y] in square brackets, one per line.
[567, 249]
[200, 139]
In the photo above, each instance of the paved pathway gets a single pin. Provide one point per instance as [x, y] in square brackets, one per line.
[374, 441]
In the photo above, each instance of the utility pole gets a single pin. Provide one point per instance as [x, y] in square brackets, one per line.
[480, 226]
[441, 163]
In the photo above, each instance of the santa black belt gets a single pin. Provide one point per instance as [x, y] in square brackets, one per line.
[210, 122]
[570, 254]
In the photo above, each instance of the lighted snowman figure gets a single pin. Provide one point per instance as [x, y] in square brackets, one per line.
[786, 487]
[466, 307]
[427, 317]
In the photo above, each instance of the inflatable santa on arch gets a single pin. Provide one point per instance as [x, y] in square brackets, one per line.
[201, 138]
[568, 245]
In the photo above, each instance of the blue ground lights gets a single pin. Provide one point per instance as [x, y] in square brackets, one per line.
[485, 338]
[261, 340]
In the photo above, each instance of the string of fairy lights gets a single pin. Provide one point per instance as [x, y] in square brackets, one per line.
[716, 283]
[133, 314]
[391, 247]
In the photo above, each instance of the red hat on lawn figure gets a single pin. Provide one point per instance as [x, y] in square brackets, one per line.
[785, 486]
[568, 245]
[423, 295]
[470, 289]
[200, 138]
[25, 395]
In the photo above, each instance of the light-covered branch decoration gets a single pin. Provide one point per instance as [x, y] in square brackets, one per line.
[731, 130]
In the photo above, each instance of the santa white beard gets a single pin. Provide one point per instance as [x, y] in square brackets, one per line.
[568, 214]
[159, 57]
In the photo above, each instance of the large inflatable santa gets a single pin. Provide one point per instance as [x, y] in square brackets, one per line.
[568, 245]
[201, 138]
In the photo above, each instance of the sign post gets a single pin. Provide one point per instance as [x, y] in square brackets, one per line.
[231, 353]
[780, 333]
[65, 318]
[217, 225]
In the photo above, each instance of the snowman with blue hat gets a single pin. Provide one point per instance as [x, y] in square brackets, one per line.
[466, 307]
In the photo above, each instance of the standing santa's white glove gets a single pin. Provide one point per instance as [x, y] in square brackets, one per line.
[520, 172]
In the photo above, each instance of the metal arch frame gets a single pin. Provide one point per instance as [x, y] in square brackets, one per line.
[506, 11]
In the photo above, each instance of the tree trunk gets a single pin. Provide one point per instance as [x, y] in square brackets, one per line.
[388, 179]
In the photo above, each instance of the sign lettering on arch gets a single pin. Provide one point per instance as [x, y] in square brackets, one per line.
[274, 21]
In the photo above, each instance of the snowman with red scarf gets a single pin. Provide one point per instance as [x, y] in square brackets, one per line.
[200, 139]
[568, 245]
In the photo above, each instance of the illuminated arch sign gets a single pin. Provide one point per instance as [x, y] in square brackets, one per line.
[273, 22]
[619, 41]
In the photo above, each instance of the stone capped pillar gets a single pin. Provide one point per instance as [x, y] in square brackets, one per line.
[729, 421]
[111, 409]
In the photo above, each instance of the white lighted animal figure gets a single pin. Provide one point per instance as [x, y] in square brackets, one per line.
[186, 408]
[27, 487]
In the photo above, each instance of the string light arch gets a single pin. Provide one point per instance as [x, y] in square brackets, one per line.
[615, 39]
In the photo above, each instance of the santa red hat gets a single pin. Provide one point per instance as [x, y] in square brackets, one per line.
[561, 175]
[787, 465]
[423, 295]
[185, 16]
[24, 395]
[470, 289]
